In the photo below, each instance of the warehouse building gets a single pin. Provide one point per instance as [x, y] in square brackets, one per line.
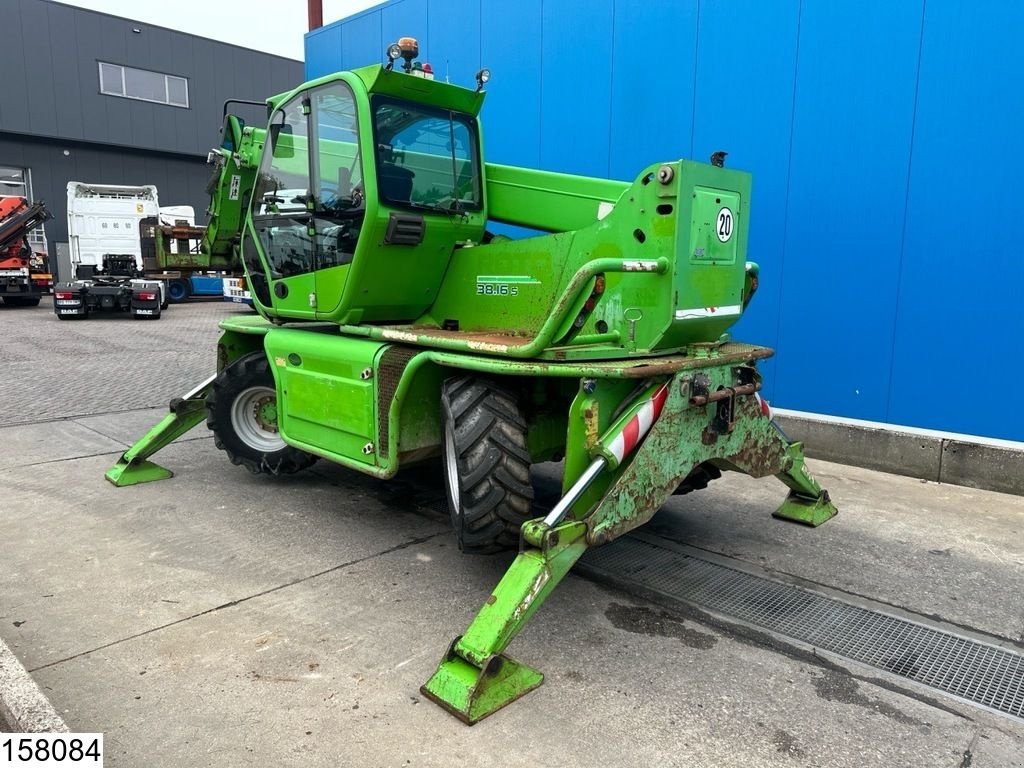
[883, 139]
[90, 97]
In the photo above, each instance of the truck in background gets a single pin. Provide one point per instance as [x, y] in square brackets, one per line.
[106, 253]
[165, 243]
[172, 251]
[116, 286]
[21, 282]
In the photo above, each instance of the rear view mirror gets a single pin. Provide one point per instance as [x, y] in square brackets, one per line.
[232, 133]
[282, 140]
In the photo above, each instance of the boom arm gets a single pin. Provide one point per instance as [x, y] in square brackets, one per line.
[551, 202]
[230, 189]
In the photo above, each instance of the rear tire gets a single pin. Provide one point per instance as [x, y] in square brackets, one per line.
[241, 411]
[486, 464]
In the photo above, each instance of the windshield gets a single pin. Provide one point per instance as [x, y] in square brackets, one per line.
[426, 158]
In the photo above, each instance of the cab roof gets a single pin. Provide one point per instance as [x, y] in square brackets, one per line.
[398, 84]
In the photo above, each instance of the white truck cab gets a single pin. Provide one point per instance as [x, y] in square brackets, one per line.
[104, 218]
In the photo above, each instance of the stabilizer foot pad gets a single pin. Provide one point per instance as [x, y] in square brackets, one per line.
[132, 473]
[807, 511]
[471, 693]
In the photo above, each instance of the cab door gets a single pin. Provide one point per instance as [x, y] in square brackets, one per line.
[282, 211]
[339, 194]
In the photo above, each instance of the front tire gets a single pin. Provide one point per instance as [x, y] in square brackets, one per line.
[486, 464]
[241, 411]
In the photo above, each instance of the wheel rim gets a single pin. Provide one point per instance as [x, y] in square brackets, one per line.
[254, 419]
[176, 291]
[451, 468]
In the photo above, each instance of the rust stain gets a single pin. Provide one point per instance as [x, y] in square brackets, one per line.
[527, 601]
[760, 454]
[425, 333]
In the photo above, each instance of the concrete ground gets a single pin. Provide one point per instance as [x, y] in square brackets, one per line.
[225, 619]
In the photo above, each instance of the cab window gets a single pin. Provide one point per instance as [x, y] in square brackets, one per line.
[426, 158]
[282, 186]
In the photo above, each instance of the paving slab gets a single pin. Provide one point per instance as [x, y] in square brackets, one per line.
[326, 673]
[221, 618]
[109, 362]
[85, 563]
[28, 444]
[128, 426]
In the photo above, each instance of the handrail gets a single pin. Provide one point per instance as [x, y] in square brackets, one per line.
[547, 331]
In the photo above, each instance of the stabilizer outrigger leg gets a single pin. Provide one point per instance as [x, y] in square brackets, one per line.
[808, 502]
[475, 678]
[608, 498]
[185, 413]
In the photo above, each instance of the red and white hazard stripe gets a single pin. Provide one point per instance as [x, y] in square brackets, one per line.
[766, 409]
[638, 426]
[617, 449]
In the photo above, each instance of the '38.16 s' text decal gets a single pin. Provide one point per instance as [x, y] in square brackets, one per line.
[502, 285]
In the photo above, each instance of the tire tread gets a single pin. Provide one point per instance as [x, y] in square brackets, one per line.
[493, 464]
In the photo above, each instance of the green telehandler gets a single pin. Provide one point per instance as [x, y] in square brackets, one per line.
[395, 327]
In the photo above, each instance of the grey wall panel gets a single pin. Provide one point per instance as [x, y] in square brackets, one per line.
[165, 132]
[35, 32]
[258, 84]
[13, 89]
[207, 92]
[112, 35]
[183, 122]
[282, 78]
[240, 62]
[144, 118]
[12, 153]
[89, 33]
[51, 83]
[65, 82]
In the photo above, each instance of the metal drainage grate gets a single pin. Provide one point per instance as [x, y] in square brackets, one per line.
[984, 674]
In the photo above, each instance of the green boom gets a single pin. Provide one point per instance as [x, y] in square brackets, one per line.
[396, 327]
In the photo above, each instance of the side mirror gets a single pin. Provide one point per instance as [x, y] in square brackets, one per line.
[232, 133]
[282, 141]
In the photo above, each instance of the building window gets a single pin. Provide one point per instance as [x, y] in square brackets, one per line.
[131, 83]
[14, 182]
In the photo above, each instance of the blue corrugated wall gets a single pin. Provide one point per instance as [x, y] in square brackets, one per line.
[885, 142]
